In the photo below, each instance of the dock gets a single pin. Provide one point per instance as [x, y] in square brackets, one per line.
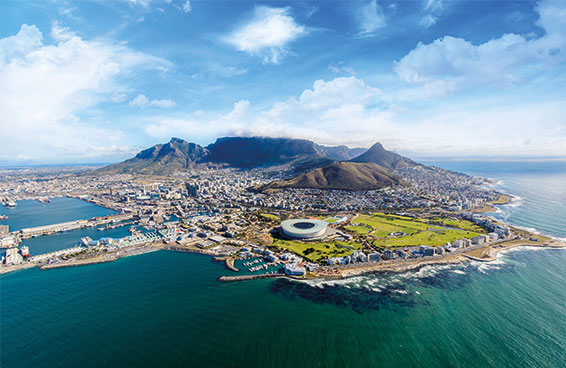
[249, 277]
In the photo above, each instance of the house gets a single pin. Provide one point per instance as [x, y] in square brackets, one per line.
[387, 254]
[374, 257]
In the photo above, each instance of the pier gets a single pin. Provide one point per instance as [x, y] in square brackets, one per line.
[249, 277]
[72, 225]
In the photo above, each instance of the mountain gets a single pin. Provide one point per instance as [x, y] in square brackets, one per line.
[161, 159]
[252, 152]
[340, 153]
[297, 155]
[387, 159]
[339, 175]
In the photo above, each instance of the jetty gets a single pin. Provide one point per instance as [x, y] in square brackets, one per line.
[249, 277]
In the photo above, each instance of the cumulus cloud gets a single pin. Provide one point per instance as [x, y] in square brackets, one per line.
[60, 32]
[142, 102]
[267, 34]
[46, 88]
[349, 111]
[370, 18]
[509, 59]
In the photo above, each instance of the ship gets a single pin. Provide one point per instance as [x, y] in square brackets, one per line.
[10, 204]
[24, 250]
[84, 240]
[44, 200]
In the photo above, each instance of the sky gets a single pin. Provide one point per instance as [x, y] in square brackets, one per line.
[96, 81]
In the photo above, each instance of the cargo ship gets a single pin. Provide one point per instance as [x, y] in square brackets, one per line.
[24, 250]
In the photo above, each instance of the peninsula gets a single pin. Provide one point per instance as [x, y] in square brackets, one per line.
[271, 207]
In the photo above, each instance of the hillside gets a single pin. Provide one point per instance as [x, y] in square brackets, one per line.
[339, 175]
[387, 159]
[161, 159]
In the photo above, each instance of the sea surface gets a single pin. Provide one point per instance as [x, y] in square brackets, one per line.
[29, 213]
[167, 309]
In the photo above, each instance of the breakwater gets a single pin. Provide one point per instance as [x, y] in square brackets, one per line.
[249, 277]
[77, 263]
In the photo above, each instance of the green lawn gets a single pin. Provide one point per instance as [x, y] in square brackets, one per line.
[269, 216]
[317, 251]
[358, 229]
[419, 231]
[432, 238]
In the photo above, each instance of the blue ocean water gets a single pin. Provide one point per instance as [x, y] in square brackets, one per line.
[167, 309]
[30, 213]
[539, 188]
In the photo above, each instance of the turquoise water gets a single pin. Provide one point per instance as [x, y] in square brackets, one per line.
[167, 309]
[30, 213]
[540, 188]
[68, 239]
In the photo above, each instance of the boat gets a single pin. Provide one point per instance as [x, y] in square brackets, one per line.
[43, 200]
[10, 204]
[24, 251]
[3, 217]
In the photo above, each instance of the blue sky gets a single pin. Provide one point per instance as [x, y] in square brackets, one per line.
[95, 81]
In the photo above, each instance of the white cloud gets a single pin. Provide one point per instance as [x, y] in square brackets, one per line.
[142, 102]
[187, 6]
[349, 111]
[433, 5]
[427, 21]
[60, 32]
[341, 68]
[370, 18]
[47, 88]
[267, 34]
[507, 60]
[164, 104]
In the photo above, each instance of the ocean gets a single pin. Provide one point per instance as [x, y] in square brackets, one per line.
[29, 213]
[167, 309]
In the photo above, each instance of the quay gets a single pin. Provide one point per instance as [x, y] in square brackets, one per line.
[71, 225]
[249, 277]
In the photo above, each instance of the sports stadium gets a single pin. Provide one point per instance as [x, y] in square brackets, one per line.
[304, 229]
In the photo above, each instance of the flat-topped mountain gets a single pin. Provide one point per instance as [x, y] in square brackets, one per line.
[369, 170]
[387, 159]
[161, 159]
[240, 152]
[339, 175]
[251, 152]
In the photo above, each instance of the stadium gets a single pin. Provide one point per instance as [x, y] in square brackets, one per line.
[303, 229]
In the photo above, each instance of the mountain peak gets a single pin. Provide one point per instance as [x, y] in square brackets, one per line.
[177, 140]
[377, 154]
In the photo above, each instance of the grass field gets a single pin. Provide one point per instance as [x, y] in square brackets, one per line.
[269, 216]
[419, 231]
[317, 251]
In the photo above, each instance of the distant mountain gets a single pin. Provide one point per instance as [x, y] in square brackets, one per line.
[389, 160]
[339, 175]
[161, 159]
[340, 153]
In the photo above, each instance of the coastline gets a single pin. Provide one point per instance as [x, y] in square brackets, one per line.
[484, 254]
